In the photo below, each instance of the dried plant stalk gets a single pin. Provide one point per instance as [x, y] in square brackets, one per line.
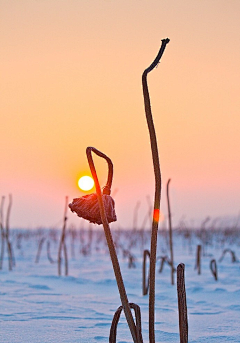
[170, 234]
[158, 185]
[39, 250]
[9, 246]
[145, 280]
[182, 304]
[163, 260]
[234, 259]
[213, 268]
[5, 234]
[107, 231]
[198, 259]
[49, 253]
[2, 232]
[62, 244]
[113, 330]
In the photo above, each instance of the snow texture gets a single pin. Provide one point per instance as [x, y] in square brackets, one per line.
[39, 306]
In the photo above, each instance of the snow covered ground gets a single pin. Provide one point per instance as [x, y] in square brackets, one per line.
[39, 306]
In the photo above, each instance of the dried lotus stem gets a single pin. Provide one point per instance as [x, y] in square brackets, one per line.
[9, 246]
[107, 231]
[62, 244]
[145, 279]
[170, 233]
[40, 245]
[213, 268]
[158, 184]
[2, 232]
[234, 259]
[113, 330]
[198, 259]
[182, 304]
[49, 253]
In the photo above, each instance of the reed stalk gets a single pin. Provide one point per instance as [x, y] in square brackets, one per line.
[2, 233]
[113, 330]
[107, 231]
[170, 233]
[213, 268]
[40, 245]
[198, 259]
[62, 244]
[182, 304]
[234, 259]
[9, 246]
[158, 184]
[145, 276]
[49, 253]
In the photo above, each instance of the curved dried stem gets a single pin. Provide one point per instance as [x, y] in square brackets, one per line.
[234, 259]
[145, 277]
[213, 268]
[107, 187]
[113, 330]
[158, 183]
[107, 231]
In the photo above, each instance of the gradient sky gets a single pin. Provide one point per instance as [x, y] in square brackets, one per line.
[71, 78]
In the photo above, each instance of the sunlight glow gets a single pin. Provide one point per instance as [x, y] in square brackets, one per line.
[85, 183]
[158, 216]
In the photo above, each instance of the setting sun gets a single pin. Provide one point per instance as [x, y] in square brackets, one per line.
[85, 183]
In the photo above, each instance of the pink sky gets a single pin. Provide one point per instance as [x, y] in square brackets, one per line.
[71, 78]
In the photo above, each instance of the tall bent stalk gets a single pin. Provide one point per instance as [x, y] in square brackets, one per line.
[107, 231]
[158, 183]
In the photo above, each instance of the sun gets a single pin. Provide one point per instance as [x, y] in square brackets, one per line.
[85, 183]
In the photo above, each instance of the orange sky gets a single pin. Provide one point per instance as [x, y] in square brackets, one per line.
[71, 78]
